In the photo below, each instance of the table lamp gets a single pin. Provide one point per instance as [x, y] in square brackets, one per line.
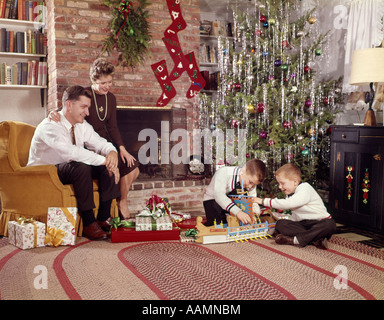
[368, 69]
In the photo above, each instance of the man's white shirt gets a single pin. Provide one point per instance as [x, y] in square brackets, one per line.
[52, 144]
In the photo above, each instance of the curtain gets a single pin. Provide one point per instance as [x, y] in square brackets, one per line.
[365, 29]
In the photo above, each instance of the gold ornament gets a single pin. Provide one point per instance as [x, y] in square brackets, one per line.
[251, 108]
[312, 20]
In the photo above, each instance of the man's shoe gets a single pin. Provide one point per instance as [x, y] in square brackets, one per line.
[282, 239]
[321, 244]
[104, 225]
[94, 232]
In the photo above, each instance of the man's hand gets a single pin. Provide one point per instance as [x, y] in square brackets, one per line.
[244, 218]
[111, 160]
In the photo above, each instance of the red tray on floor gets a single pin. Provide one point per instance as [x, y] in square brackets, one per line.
[189, 223]
[131, 235]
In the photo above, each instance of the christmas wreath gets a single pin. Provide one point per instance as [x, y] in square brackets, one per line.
[129, 31]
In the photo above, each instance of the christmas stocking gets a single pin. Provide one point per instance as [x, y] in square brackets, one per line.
[178, 22]
[174, 49]
[161, 73]
[198, 82]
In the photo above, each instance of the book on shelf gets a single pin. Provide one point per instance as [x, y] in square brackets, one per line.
[218, 28]
[31, 42]
[23, 10]
[208, 53]
[212, 80]
[33, 73]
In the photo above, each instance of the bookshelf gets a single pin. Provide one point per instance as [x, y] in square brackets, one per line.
[22, 55]
[24, 102]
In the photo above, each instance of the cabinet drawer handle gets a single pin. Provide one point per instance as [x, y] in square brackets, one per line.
[377, 157]
[343, 136]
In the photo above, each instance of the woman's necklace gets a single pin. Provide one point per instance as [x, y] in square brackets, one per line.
[101, 109]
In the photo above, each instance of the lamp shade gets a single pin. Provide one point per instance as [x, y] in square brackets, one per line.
[367, 66]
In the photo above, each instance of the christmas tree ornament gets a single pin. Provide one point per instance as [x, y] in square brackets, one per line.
[263, 18]
[263, 134]
[318, 52]
[265, 25]
[251, 108]
[284, 67]
[277, 63]
[271, 142]
[326, 101]
[307, 69]
[272, 22]
[308, 103]
[260, 107]
[285, 44]
[287, 124]
[312, 20]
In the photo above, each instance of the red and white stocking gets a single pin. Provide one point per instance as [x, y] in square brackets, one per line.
[161, 73]
[198, 82]
[178, 22]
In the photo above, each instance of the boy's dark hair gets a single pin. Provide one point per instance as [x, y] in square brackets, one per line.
[256, 168]
[74, 93]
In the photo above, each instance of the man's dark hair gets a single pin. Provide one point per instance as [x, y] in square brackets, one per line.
[74, 93]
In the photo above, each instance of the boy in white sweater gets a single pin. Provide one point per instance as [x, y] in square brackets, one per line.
[310, 221]
[225, 182]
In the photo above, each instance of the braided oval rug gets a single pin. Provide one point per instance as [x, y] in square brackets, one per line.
[172, 270]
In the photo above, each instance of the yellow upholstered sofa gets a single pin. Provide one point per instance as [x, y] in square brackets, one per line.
[29, 191]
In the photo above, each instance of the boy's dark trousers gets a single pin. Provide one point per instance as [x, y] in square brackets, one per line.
[214, 212]
[306, 231]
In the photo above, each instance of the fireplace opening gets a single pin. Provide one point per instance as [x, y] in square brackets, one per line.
[152, 124]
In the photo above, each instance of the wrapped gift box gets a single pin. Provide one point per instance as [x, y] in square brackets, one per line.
[26, 235]
[131, 235]
[148, 223]
[62, 222]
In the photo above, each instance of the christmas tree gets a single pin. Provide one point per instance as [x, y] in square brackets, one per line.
[269, 89]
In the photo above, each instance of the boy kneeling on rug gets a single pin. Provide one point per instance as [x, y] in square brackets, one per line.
[310, 222]
[225, 182]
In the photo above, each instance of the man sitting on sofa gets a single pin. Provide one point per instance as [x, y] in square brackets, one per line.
[80, 156]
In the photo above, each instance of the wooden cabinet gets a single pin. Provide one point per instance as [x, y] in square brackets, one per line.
[357, 176]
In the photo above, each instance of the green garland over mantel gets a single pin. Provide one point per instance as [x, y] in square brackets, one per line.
[130, 34]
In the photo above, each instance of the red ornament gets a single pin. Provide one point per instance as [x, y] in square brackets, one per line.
[285, 44]
[263, 134]
[326, 101]
[271, 142]
[235, 123]
[260, 107]
[263, 18]
[307, 69]
[287, 125]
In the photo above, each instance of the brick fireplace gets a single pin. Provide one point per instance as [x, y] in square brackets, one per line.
[75, 31]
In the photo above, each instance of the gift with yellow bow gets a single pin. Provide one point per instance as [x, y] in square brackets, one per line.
[26, 233]
[61, 226]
